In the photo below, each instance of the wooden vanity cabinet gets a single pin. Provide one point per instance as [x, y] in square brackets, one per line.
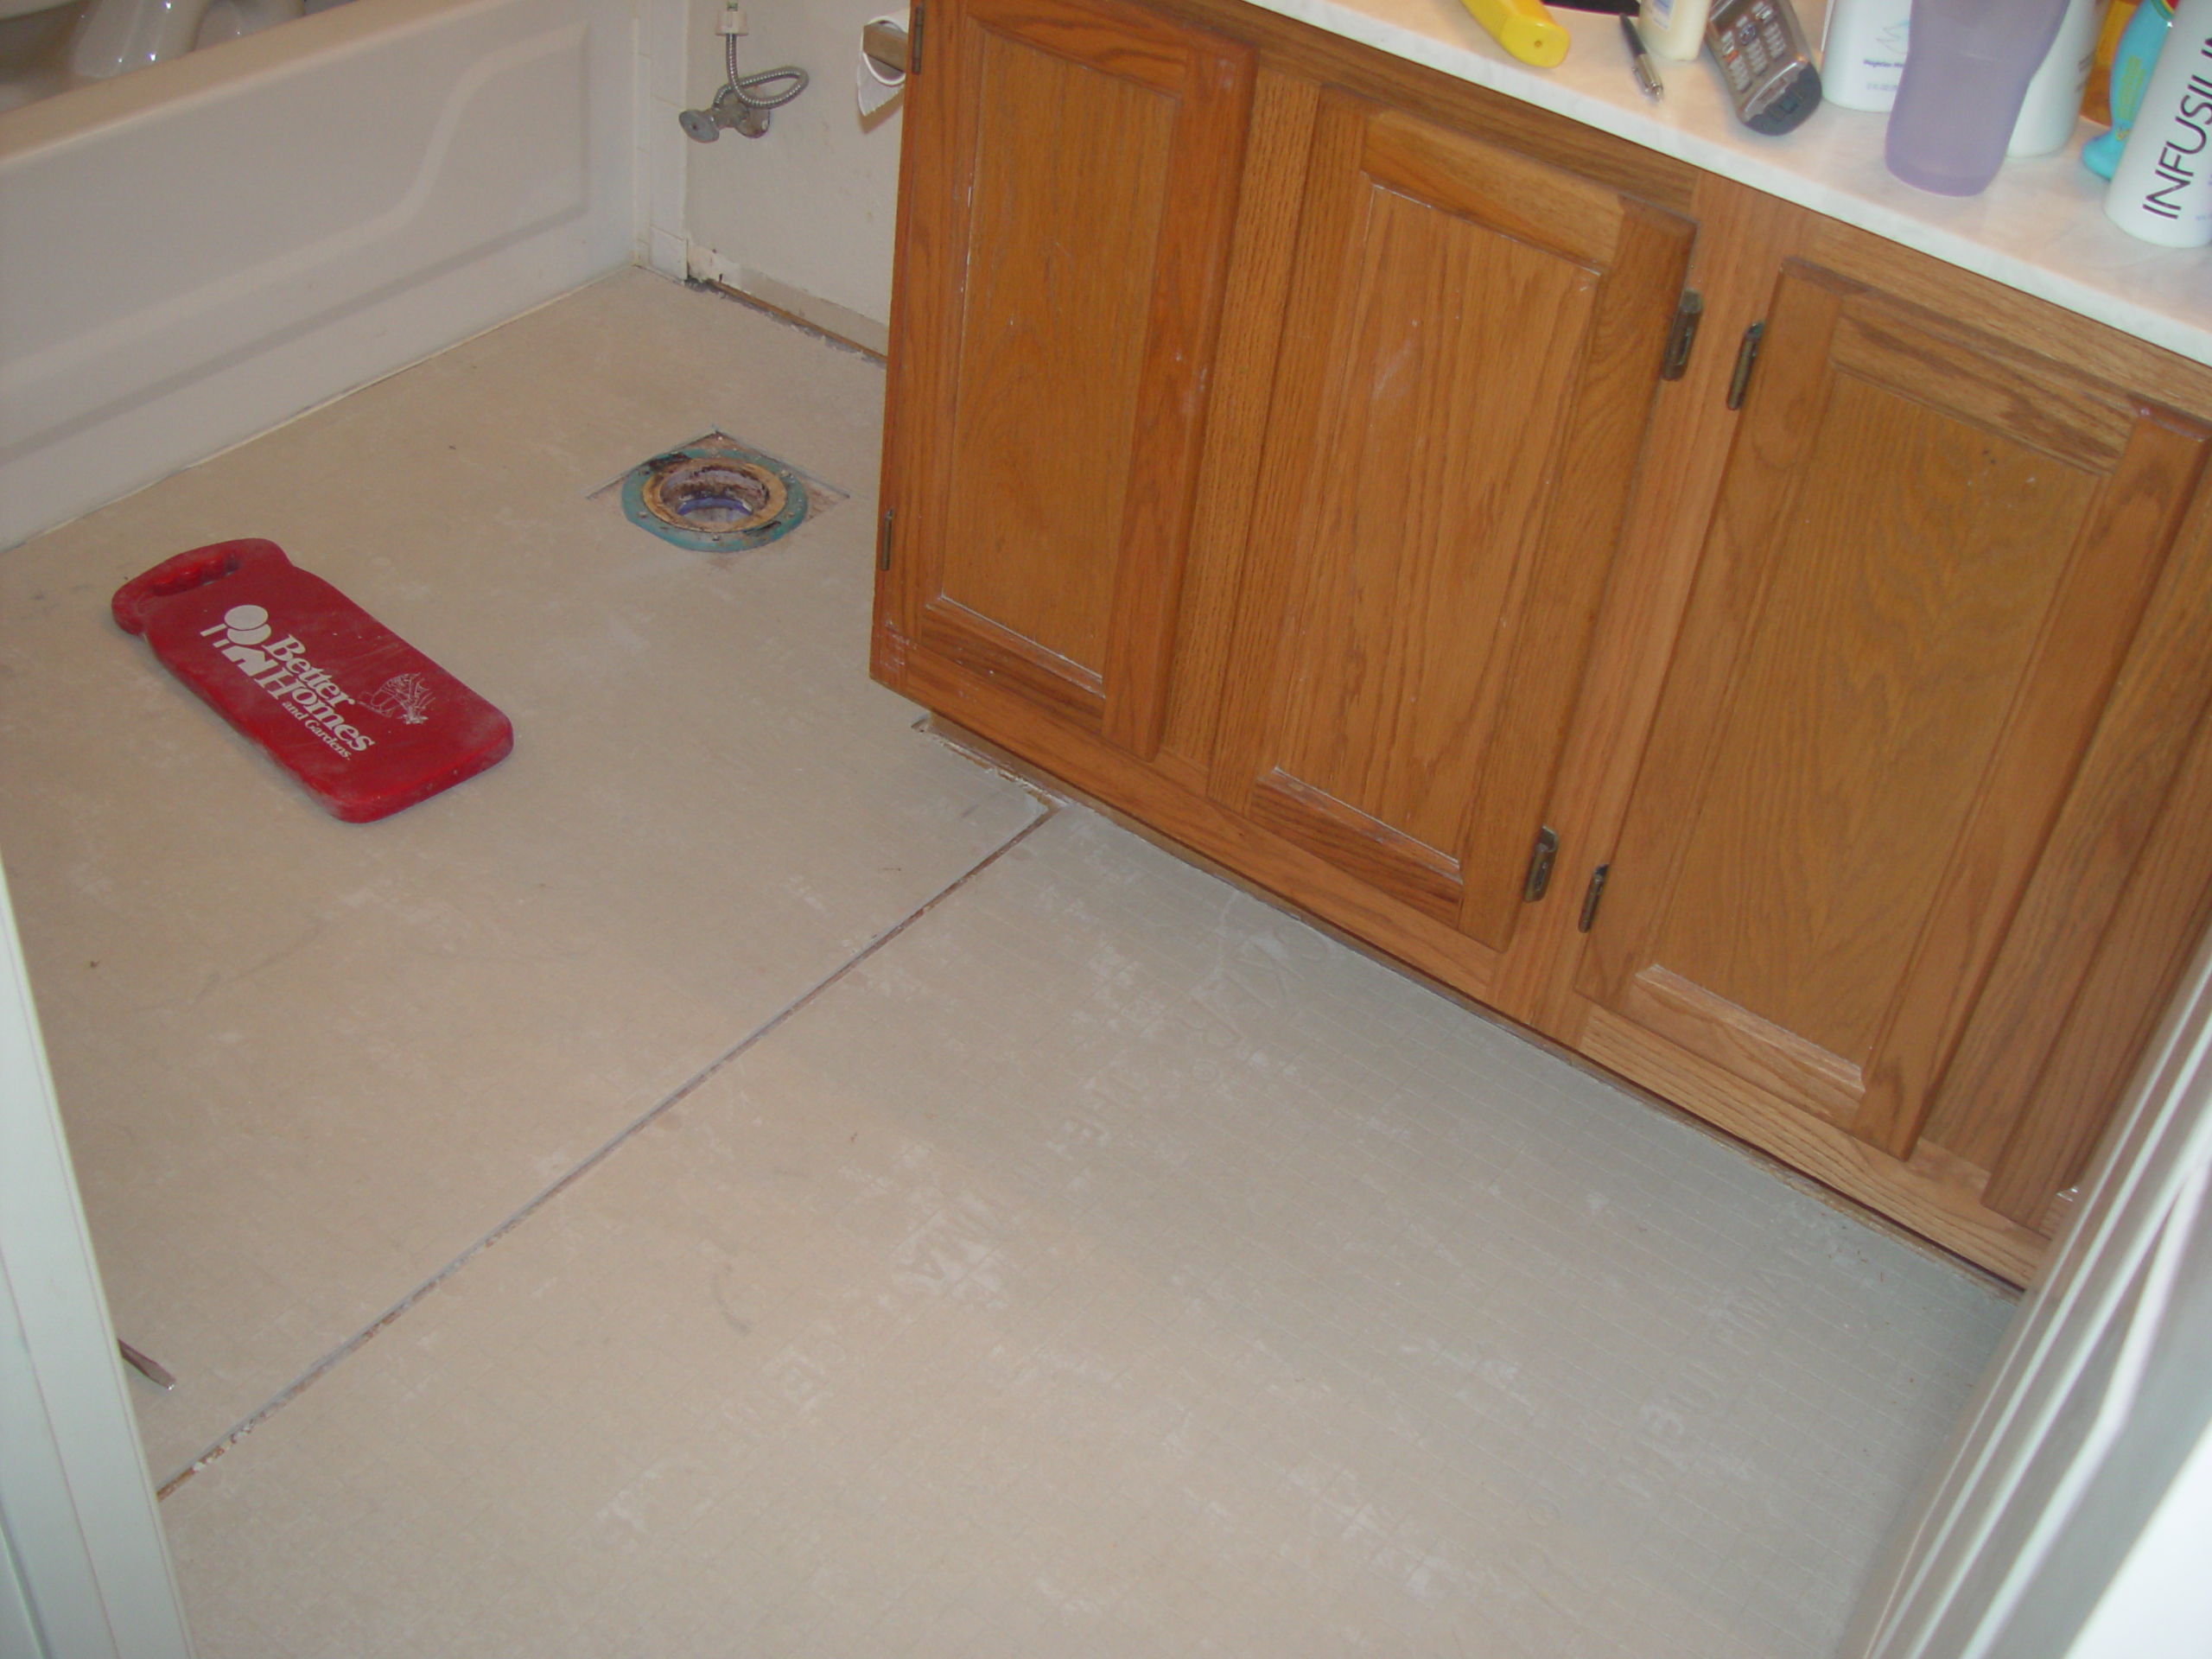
[1925, 711]
[1473, 343]
[1278, 451]
[1262, 470]
[1070, 185]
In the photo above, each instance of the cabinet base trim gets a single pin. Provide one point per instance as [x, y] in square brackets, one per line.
[1738, 1041]
[1089, 763]
[1873, 1204]
[1933, 1193]
[1378, 855]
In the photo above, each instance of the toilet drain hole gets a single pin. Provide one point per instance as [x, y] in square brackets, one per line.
[716, 495]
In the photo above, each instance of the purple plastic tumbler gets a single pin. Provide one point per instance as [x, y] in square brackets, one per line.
[1967, 68]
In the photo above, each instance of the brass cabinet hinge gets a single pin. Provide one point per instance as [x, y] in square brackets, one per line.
[1590, 899]
[1746, 355]
[883, 539]
[1540, 866]
[1682, 334]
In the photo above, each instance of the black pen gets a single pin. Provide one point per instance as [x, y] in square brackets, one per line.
[1646, 76]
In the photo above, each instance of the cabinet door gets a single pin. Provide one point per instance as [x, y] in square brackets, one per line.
[1069, 182]
[1899, 707]
[1472, 345]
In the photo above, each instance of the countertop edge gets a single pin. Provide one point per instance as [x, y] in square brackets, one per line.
[2039, 229]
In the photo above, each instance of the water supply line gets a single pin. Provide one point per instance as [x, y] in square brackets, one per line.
[742, 104]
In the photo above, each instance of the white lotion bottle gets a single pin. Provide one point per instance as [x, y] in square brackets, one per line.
[2162, 189]
[1862, 53]
[1673, 29]
[2052, 108]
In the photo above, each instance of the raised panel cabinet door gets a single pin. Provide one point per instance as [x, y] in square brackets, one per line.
[1930, 567]
[1472, 345]
[1070, 183]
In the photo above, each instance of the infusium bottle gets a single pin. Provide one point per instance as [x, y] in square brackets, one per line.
[2162, 189]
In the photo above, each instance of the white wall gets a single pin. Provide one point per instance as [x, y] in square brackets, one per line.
[803, 217]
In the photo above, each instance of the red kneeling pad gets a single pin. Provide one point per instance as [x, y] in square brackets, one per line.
[365, 721]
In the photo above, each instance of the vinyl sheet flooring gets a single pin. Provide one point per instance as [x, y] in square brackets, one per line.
[742, 1179]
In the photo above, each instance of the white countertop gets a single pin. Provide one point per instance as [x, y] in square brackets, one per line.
[2040, 227]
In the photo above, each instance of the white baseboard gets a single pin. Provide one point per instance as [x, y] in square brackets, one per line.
[706, 265]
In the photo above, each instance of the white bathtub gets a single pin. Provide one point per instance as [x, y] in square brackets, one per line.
[196, 251]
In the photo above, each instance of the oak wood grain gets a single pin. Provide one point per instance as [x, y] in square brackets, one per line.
[1359, 845]
[1559, 141]
[920, 388]
[1268, 203]
[1910, 583]
[1839, 868]
[1930, 553]
[1933, 1193]
[984, 647]
[2125, 545]
[1333, 207]
[2103, 831]
[1004, 715]
[1510, 193]
[1772, 1056]
[1742, 237]
[1465, 387]
[1770, 449]
[1452, 378]
[1574, 562]
[1064, 251]
[2022, 400]
[1058, 288]
[1187, 280]
[1128, 43]
[2138, 966]
[1999, 313]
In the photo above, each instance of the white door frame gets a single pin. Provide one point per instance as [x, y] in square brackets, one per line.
[2070, 1515]
[84, 1568]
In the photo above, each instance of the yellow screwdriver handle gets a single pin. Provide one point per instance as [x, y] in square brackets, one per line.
[1522, 27]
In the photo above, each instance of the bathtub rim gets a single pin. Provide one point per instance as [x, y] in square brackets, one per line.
[105, 107]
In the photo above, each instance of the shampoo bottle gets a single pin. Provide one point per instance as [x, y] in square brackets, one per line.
[2052, 108]
[1673, 29]
[2132, 62]
[1862, 53]
[1959, 96]
[2096, 98]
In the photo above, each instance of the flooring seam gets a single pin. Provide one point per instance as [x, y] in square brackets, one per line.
[354, 1345]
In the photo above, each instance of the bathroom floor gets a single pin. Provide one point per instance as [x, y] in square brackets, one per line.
[741, 1177]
